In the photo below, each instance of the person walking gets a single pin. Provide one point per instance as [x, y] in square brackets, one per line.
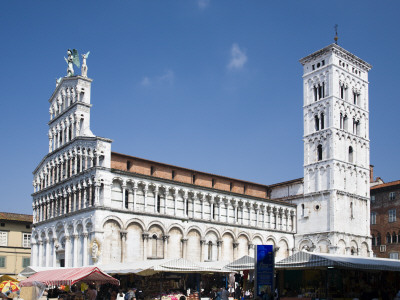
[224, 294]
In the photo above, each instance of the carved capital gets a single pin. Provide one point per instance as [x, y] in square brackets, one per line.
[123, 233]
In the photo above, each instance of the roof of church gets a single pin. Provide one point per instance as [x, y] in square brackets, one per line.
[6, 216]
[298, 180]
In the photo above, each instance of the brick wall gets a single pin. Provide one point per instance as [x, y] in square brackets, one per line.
[381, 206]
[160, 170]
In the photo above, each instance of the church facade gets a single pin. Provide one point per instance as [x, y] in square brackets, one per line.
[95, 206]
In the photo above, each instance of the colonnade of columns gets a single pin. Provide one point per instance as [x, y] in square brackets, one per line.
[69, 199]
[44, 251]
[64, 166]
[212, 207]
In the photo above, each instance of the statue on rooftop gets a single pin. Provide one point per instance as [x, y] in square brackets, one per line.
[84, 65]
[73, 59]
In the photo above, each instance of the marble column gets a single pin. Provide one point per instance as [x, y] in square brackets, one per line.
[134, 196]
[48, 256]
[145, 242]
[156, 200]
[184, 248]
[34, 257]
[202, 244]
[123, 245]
[235, 250]
[85, 248]
[67, 252]
[123, 196]
[165, 238]
[219, 246]
[76, 241]
[97, 194]
[40, 264]
[54, 254]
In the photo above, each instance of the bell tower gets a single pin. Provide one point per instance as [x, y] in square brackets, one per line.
[333, 215]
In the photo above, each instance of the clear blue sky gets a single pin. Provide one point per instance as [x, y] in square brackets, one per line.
[209, 85]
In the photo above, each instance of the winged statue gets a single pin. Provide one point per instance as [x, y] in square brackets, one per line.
[73, 59]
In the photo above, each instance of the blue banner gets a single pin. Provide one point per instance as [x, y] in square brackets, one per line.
[264, 269]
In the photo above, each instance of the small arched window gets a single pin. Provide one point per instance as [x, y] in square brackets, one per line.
[319, 152]
[378, 239]
[128, 165]
[322, 121]
[373, 240]
[351, 210]
[316, 123]
[302, 210]
[394, 238]
[388, 238]
[350, 154]
[158, 203]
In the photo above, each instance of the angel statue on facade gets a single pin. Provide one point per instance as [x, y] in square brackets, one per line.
[84, 65]
[73, 58]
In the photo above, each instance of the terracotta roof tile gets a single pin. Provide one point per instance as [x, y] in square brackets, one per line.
[5, 216]
[387, 184]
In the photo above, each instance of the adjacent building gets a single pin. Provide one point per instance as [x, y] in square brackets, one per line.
[385, 223]
[15, 242]
[95, 206]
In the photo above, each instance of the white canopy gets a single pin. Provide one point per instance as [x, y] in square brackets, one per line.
[304, 260]
[179, 265]
[244, 263]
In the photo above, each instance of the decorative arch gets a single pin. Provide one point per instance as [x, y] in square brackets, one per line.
[135, 221]
[112, 218]
[216, 232]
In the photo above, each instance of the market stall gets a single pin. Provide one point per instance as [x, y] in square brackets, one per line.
[65, 278]
[311, 275]
[168, 278]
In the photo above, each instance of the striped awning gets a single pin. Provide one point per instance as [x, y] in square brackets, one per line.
[69, 276]
[305, 260]
[244, 263]
[178, 265]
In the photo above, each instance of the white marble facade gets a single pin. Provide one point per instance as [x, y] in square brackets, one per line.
[87, 213]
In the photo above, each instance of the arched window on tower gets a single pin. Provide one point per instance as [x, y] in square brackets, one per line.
[302, 210]
[394, 237]
[341, 121]
[345, 122]
[378, 239]
[319, 152]
[357, 127]
[373, 241]
[350, 154]
[316, 122]
[322, 121]
[351, 211]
